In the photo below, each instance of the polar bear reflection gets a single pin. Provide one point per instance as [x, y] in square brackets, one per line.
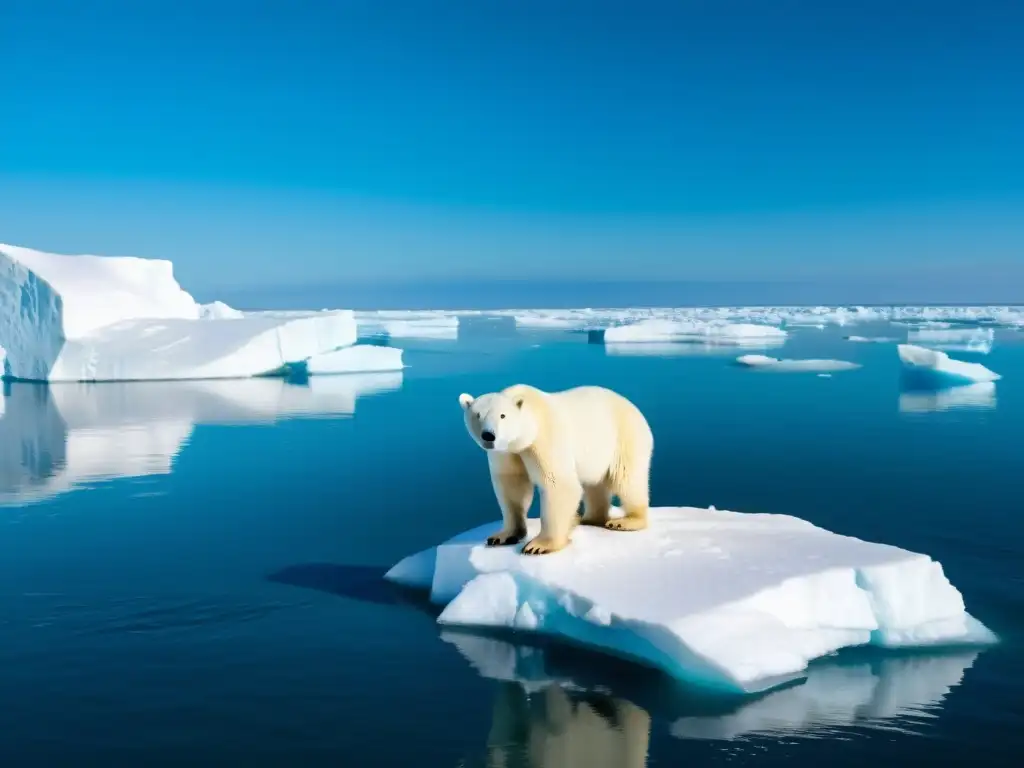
[546, 715]
[58, 437]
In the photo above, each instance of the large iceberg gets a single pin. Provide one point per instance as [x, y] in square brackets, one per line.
[690, 331]
[737, 602]
[97, 318]
[933, 367]
[71, 435]
[408, 324]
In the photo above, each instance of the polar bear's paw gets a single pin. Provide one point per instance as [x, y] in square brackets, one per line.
[503, 538]
[543, 546]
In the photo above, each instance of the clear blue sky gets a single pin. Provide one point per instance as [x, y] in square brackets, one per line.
[301, 142]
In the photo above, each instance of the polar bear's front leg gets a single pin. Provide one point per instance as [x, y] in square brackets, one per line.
[514, 490]
[559, 505]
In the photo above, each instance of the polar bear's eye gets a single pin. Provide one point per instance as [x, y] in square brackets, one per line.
[503, 415]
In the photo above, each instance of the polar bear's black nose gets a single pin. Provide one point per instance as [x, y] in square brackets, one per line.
[487, 437]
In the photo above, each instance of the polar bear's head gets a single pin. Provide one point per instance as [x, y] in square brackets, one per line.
[498, 422]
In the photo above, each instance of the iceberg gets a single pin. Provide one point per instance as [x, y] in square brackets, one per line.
[360, 358]
[402, 324]
[981, 395]
[977, 340]
[679, 349]
[218, 310]
[872, 339]
[872, 691]
[73, 435]
[932, 367]
[102, 318]
[774, 364]
[735, 602]
[708, 332]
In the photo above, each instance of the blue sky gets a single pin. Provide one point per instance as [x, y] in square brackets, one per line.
[262, 144]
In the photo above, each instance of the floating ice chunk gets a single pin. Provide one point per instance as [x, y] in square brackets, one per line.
[772, 364]
[682, 348]
[218, 310]
[933, 366]
[356, 359]
[980, 395]
[775, 592]
[978, 340]
[396, 324]
[708, 332]
[872, 339]
[76, 434]
[139, 350]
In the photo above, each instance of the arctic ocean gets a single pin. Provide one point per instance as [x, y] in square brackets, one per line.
[192, 572]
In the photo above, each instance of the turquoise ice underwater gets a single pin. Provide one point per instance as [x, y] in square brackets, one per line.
[224, 598]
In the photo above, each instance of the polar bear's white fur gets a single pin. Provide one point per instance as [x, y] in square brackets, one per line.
[584, 443]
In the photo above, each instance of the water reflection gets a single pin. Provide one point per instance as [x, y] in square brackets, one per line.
[980, 395]
[58, 437]
[566, 707]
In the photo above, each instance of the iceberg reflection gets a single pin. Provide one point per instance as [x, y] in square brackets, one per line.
[567, 707]
[980, 395]
[58, 437]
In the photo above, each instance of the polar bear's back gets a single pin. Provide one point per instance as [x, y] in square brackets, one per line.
[604, 429]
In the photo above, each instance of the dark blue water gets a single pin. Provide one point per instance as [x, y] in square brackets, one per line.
[190, 573]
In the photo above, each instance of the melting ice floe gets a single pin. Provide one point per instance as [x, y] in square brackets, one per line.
[766, 363]
[72, 434]
[739, 602]
[357, 358]
[100, 318]
[977, 340]
[836, 694]
[647, 331]
[933, 367]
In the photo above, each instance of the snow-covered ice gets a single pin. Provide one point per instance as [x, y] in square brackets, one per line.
[932, 366]
[682, 348]
[218, 310]
[75, 433]
[739, 602]
[401, 324]
[646, 331]
[763, 362]
[359, 358]
[981, 395]
[978, 340]
[94, 318]
[843, 694]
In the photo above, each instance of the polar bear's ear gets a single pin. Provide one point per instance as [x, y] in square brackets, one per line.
[466, 400]
[519, 403]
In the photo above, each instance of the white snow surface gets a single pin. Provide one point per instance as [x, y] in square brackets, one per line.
[810, 365]
[359, 358]
[74, 434]
[740, 602]
[218, 310]
[941, 367]
[646, 331]
[103, 318]
[139, 350]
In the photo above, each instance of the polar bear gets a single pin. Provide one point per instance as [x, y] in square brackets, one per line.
[585, 442]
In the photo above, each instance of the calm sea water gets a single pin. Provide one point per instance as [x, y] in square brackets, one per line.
[190, 573]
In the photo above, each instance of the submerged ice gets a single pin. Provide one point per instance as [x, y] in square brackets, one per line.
[739, 602]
